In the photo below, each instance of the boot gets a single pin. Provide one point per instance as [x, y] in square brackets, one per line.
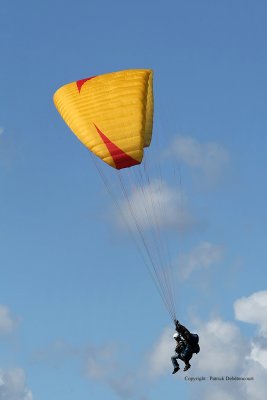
[187, 366]
[176, 369]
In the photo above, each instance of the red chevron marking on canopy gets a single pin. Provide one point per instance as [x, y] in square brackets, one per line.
[121, 159]
[81, 82]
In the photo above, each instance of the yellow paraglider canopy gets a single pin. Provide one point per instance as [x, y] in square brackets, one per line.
[111, 114]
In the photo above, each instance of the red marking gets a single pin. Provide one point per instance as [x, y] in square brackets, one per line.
[82, 81]
[121, 159]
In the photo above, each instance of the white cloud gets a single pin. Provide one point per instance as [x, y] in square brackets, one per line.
[253, 309]
[239, 356]
[258, 354]
[159, 359]
[256, 390]
[102, 366]
[2, 130]
[216, 392]
[226, 352]
[7, 322]
[222, 348]
[210, 158]
[100, 362]
[124, 385]
[13, 385]
[157, 205]
[205, 255]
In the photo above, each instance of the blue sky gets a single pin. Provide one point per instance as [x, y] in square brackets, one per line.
[79, 315]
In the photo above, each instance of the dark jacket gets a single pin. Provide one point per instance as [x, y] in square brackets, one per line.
[191, 339]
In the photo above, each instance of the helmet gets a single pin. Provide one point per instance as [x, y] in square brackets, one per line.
[175, 335]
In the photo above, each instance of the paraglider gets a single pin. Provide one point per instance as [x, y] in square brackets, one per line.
[112, 115]
[187, 344]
